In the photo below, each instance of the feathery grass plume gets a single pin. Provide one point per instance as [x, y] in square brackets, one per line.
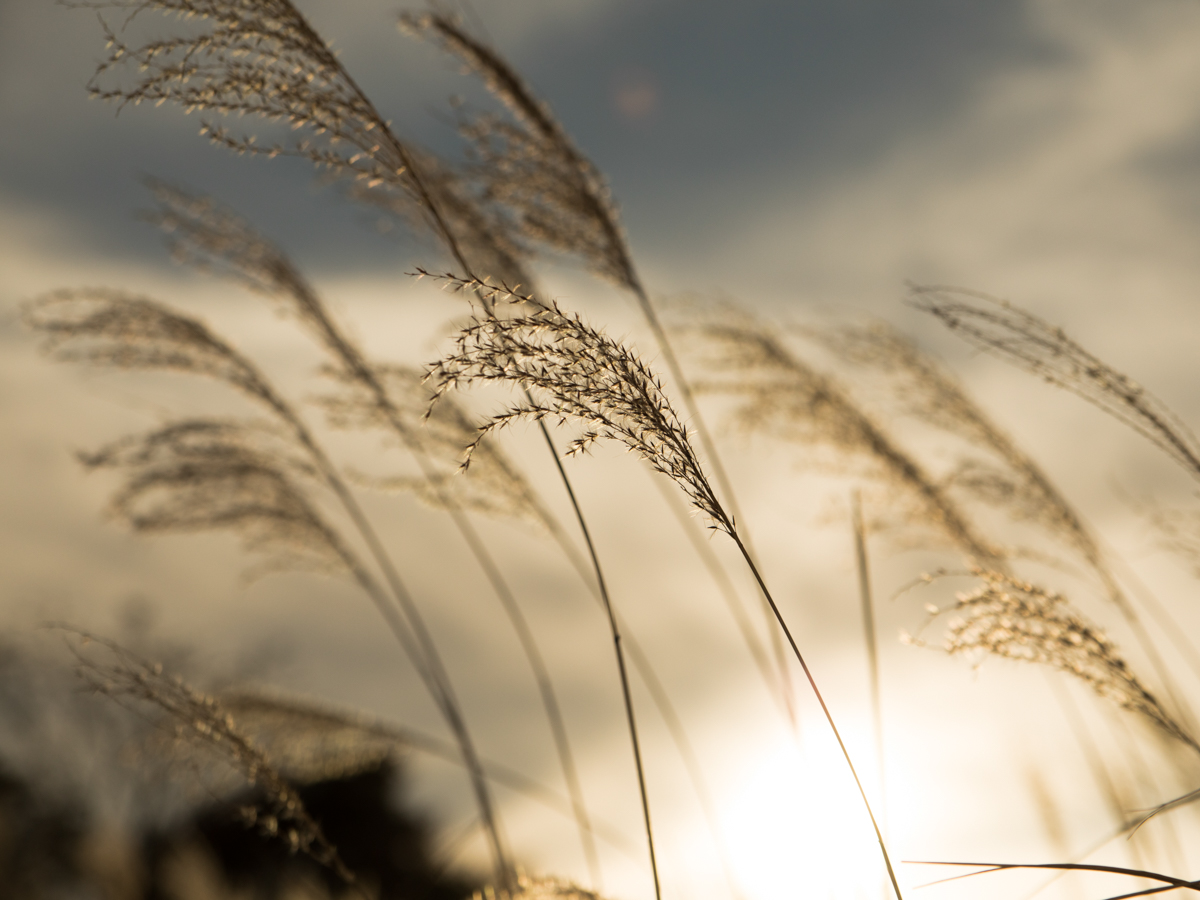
[528, 164]
[531, 169]
[572, 373]
[1035, 345]
[196, 719]
[1017, 620]
[117, 329]
[783, 395]
[223, 475]
[582, 377]
[260, 59]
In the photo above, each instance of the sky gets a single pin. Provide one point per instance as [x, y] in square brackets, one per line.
[806, 159]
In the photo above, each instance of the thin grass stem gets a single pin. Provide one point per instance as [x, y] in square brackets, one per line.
[870, 642]
[887, 860]
[615, 631]
[729, 593]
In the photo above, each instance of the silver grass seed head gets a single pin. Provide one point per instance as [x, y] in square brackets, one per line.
[116, 329]
[224, 475]
[1013, 619]
[528, 166]
[198, 721]
[1021, 338]
[261, 59]
[571, 372]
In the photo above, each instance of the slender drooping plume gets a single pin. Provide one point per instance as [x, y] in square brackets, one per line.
[782, 395]
[528, 165]
[572, 373]
[223, 475]
[195, 720]
[264, 60]
[1014, 619]
[1035, 345]
[583, 377]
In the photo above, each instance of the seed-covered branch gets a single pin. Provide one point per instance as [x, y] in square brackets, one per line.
[1017, 620]
[196, 720]
[573, 373]
[1035, 345]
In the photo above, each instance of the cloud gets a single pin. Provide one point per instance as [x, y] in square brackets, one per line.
[1051, 177]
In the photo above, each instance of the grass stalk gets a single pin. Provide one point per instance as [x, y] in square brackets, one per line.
[615, 632]
[729, 593]
[812, 683]
[870, 642]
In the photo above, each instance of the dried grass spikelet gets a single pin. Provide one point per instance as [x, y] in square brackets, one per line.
[494, 486]
[197, 720]
[1006, 477]
[1017, 620]
[116, 329]
[529, 166]
[782, 395]
[1023, 339]
[209, 236]
[224, 475]
[573, 373]
[260, 59]
[308, 742]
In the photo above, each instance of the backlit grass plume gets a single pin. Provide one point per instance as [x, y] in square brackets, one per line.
[577, 375]
[195, 719]
[219, 475]
[529, 166]
[1014, 619]
[533, 179]
[117, 329]
[780, 394]
[1044, 350]
[260, 59]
